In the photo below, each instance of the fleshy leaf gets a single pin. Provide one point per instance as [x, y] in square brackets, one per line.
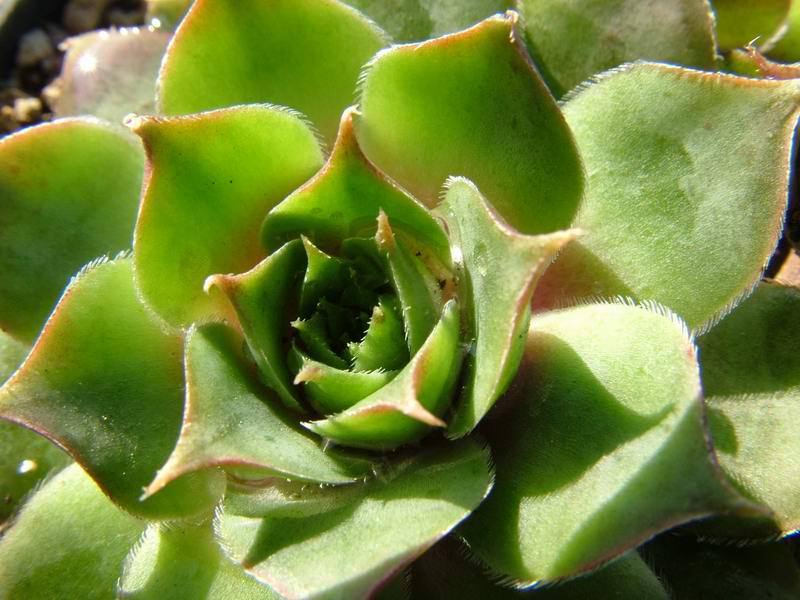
[261, 299]
[415, 20]
[69, 541]
[230, 421]
[472, 104]
[384, 345]
[407, 407]
[335, 390]
[785, 46]
[696, 571]
[110, 73]
[751, 376]
[500, 270]
[350, 551]
[599, 444]
[104, 382]
[314, 335]
[26, 457]
[185, 561]
[304, 54]
[212, 179]
[324, 274]
[686, 169]
[445, 572]
[412, 281]
[740, 22]
[343, 201]
[56, 214]
[571, 41]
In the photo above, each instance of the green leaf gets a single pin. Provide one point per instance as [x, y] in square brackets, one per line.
[26, 457]
[686, 170]
[212, 179]
[332, 389]
[104, 382]
[740, 22]
[261, 299]
[185, 561]
[571, 41]
[305, 54]
[384, 344]
[407, 407]
[58, 211]
[324, 275]
[598, 445]
[751, 376]
[785, 46]
[696, 571]
[413, 282]
[69, 541]
[500, 270]
[230, 421]
[350, 551]
[110, 73]
[168, 12]
[446, 572]
[344, 199]
[414, 20]
[472, 104]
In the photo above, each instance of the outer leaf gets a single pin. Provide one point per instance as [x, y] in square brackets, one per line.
[571, 40]
[350, 551]
[445, 572]
[404, 409]
[212, 179]
[785, 46]
[413, 20]
[56, 214]
[344, 199]
[104, 383]
[69, 541]
[686, 170]
[751, 375]
[739, 22]
[472, 104]
[500, 270]
[231, 421]
[600, 446]
[175, 563]
[695, 571]
[110, 73]
[26, 457]
[305, 54]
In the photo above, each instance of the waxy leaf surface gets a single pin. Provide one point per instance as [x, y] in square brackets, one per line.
[500, 268]
[740, 22]
[350, 550]
[68, 193]
[571, 40]
[230, 420]
[685, 171]
[213, 177]
[472, 104]
[304, 54]
[599, 444]
[751, 378]
[185, 561]
[110, 73]
[415, 20]
[68, 541]
[104, 382]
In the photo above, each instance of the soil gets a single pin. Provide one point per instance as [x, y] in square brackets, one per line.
[23, 91]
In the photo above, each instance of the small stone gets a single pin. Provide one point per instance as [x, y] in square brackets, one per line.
[27, 110]
[34, 47]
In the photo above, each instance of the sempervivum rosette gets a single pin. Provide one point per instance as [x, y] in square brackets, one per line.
[339, 339]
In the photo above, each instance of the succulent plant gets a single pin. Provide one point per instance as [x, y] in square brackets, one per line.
[393, 319]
